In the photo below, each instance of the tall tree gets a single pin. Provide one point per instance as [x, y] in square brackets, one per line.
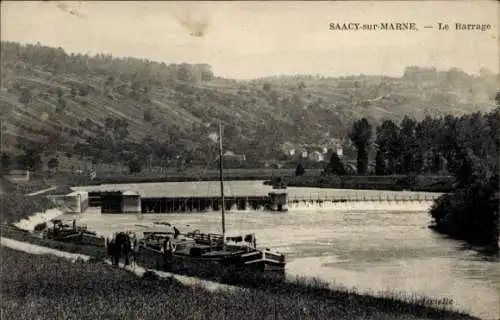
[361, 136]
[5, 161]
[300, 171]
[380, 166]
[134, 166]
[426, 134]
[409, 151]
[336, 166]
[389, 144]
[32, 160]
[53, 163]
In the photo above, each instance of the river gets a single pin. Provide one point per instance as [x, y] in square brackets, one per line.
[372, 246]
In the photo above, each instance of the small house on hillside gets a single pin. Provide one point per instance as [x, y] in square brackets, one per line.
[231, 156]
[316, 156]
[18, 175]
[302, 152]
[288, 149]
[337, 146]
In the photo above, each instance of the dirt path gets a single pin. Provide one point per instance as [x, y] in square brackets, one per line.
[137, 270]
[41, 191]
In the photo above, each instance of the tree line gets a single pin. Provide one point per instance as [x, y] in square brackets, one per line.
[140, 72]
[430, 146]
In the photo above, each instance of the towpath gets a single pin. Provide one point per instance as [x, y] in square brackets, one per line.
[137, 270]
[41, 191]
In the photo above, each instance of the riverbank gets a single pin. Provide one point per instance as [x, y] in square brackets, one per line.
[288, 297]
[320, 299]
[100, 291]
[394, 183]
[196, 175]
[46, 179]
[312, 179]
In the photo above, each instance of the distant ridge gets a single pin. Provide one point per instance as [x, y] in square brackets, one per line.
[60, 99]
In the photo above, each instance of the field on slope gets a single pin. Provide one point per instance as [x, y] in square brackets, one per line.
[59, 99]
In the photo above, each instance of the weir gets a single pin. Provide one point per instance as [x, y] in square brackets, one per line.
[200, 204]
[126, 201]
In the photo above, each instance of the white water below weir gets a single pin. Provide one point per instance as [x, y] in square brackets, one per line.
[360, 200]
[413, 205]
[298, 205]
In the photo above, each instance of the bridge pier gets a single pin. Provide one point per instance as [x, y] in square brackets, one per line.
[279, 201]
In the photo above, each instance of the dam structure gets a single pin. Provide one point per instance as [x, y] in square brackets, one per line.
[279, 200]
[121, 202]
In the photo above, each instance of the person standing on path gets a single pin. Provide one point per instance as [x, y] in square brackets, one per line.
[168, 253]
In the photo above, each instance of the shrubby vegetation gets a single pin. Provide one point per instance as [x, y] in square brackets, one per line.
[14, 205]
[471, 212]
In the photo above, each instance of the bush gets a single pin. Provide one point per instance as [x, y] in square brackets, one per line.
[134, 166]
[148, 115]
[300, 171]
[53, 163]
[83, 90]
[471, 213]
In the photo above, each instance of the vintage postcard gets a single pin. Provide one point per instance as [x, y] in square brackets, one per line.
[250, 159]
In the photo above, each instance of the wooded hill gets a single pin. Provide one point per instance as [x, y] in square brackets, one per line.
[116, 108]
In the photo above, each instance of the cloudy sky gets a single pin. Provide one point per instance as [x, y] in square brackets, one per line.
[252, 39]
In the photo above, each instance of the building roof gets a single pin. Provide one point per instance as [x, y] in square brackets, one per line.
[130, 193]
[185, 189]
[78, 192]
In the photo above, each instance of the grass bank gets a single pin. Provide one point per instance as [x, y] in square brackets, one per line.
[394, 183]
[23, 186]
[59, 289]
[16, 205]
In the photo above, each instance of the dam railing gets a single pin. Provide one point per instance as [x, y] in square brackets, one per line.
[364, 197]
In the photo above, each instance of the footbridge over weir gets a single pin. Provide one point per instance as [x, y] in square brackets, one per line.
[121, 201]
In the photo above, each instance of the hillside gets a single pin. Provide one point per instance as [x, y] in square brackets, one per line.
[100, 106]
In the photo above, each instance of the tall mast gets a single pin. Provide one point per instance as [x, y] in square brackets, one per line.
[222, 183]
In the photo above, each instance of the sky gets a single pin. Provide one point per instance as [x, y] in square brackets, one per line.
[245, 40]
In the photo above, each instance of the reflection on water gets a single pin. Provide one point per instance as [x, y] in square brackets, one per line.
[374, 251]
